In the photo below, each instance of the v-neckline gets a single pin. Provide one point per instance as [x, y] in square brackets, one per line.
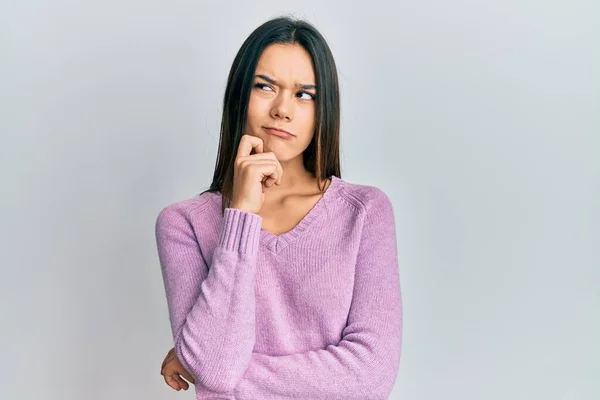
[276, 243]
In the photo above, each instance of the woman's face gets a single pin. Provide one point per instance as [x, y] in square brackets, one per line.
[282, 97]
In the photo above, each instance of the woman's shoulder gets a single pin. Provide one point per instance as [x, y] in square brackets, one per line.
[201, 205]
[363, 196]
[371, 209]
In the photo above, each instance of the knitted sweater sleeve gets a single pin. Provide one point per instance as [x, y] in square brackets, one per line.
[211, 308]
[364, 364]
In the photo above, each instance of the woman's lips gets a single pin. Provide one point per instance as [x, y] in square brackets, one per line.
[280, 133]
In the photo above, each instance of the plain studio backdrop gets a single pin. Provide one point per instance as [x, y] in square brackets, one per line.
[480, 120]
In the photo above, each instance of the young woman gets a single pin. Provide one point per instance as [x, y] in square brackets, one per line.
[282, 279]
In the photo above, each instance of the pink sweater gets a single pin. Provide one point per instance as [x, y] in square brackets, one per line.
[314, 313]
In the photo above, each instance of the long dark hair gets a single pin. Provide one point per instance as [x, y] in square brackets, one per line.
[321, 157]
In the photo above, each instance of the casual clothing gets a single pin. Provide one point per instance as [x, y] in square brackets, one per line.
[313, 313]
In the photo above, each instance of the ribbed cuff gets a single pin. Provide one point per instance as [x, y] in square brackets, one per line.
[240, 231]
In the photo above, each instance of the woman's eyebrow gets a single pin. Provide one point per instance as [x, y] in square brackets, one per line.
[273, 82]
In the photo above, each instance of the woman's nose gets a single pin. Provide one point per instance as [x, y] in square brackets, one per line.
[282, 108]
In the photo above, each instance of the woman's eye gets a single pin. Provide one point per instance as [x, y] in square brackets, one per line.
[309, 96]
[262, 86]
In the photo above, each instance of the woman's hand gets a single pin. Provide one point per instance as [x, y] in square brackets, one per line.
[253, 174]
[172, 370]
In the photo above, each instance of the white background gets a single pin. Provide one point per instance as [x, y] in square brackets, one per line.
[480, 120]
